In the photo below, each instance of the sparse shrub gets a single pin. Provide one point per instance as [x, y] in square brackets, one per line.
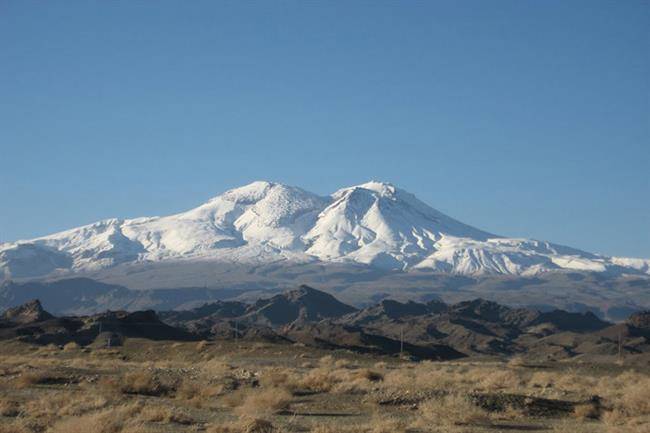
[223, 428]
[613, 417]
[51, 407]
[165, 415]
[636, 398]
[370, 375]
[139, 382]
[516, 361]
[201, 345]
[342, 363]
[452, 410]
[541, 379]
[500, 379]
[258, 426]
[39, 378]
[15, 426]
[96, 422]
[509, 413]
[197, 394]
[264, 402]
[378, 424]
[48, 349]
[278, 377]
[244, 425]
[9, 408]
[320, 380]
[188, 390]
[629, 394]
[70, 347]
[385, 424]
[215, 367]
[586, 411]
[115, 420]
[326, 361]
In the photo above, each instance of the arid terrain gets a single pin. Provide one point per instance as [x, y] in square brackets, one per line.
[304, 362]
[227, 386]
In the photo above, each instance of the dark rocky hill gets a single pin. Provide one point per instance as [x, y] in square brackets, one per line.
[29, 312]
[37, 326]
[300, 305]
[305, 315]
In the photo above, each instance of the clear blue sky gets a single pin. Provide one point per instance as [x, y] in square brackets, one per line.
[524, 118]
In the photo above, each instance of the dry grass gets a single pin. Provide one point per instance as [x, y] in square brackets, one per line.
[327, 361]
[246, 425]
[71, 347]
[199, 389]
[138, 382]
[279, 377]
[500, 379]
[452, 410]
[321, 379]
[15, 426]
[41, 377]
[115, 420]
[586, 411]
[167, 415]
[370, 375]
[9, 408]
[266, 402]
[629, 398]
[380, 423]
[215, 367]
[102, 422]
[50, 407]
[635, 398]
[202, 345]
[516, 362]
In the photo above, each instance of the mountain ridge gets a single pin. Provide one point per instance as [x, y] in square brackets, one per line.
[314, 318]
[374, 224]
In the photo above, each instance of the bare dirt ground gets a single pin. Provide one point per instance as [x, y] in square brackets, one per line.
[226, 386]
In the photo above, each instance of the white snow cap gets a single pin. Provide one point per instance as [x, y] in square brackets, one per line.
[374, 223]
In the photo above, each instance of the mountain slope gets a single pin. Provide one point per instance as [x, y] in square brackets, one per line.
[300, 305]
[372, 224]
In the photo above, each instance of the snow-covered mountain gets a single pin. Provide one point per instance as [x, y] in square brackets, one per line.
[374, 223]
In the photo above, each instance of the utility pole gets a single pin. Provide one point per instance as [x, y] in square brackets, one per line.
[620, 345]
[401, 341]
[108, 337]
[236, 330]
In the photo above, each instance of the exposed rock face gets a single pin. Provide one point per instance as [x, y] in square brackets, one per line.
[489, 311]
[303, 304]
[29, 322]
[427, 331]
[333, 336]
[218, 309]
[390, 309]
[30, 312]
[141, 324]
[576, 322]
[472, 327]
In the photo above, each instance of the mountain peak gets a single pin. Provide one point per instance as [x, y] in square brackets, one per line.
[303, 303]
[382, 188]
[251, 192]
[29, 312]
[373, 223]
